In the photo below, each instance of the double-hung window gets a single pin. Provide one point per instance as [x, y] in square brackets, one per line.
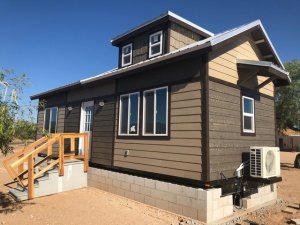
[155, 44]
[127, 55]
[129, 114]
[155, 112]
[248, 115]
[50, 119]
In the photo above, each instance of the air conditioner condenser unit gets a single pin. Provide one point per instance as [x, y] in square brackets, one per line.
[264, 162]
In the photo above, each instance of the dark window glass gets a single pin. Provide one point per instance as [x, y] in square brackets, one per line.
[161, 111]
[155, 38]
[126, 59]
[53, 120]
[248, 105]
[47, 120]
[149, 112]
[155, 49]
[127, 50]
[134, 104]
[124, 115]
[248, 123]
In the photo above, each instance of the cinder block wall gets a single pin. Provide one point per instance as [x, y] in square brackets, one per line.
[197, 203]
[264, 195]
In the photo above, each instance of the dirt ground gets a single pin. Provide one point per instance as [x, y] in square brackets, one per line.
[93, 206]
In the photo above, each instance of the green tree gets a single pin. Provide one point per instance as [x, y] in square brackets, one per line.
[10, 110]
[287, 99]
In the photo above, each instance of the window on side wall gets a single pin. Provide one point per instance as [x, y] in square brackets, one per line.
[155, 44]
[248, 115]
[50, 120]
[155, 110]
[129, 114]
[127, 55]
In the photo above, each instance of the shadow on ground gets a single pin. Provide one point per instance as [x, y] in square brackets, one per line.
[286, 166]
[8, 204]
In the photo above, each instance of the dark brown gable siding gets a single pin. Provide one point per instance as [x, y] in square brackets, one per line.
[226, 142]
[103, 131]
[72, 119]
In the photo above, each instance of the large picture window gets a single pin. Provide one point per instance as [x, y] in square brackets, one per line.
[129, 114]
[127, 55]
[248, 115]
[155, 44]
[155, 108]
[50, 120]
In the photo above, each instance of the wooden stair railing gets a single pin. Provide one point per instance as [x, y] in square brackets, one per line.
[15, 163]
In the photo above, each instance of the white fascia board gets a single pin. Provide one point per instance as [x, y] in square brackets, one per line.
[190, 23]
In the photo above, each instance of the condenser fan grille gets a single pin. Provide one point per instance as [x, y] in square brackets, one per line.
[255, 162]
[270, 163]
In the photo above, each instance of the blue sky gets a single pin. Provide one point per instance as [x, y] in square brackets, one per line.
[60, 41]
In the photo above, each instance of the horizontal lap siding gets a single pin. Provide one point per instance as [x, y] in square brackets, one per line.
[40, 124]
[102, 145]
[222, 64]
[226, 142]
[181, 154]
[72, 119]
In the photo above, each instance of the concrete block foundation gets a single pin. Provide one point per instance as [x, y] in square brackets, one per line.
[205, 205]
[265, 194]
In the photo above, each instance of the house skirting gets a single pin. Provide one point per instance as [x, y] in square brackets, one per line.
[205, 205]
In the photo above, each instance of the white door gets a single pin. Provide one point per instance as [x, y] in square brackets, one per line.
[86, 123]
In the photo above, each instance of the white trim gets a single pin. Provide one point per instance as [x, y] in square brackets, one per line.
[56, 120]
[155, 111]
[124, 55]
[155, 44]
[252, 115]
[129, 115]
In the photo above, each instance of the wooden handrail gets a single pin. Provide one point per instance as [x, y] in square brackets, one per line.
[15, 164]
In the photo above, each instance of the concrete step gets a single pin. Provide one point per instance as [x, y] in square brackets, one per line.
[51, 183]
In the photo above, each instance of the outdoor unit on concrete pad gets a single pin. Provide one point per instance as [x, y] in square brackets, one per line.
[264, 162]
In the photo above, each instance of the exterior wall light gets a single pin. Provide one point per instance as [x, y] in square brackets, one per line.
[70, 108]
[101, 103]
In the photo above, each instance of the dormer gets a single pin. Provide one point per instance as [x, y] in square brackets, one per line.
[159, 36]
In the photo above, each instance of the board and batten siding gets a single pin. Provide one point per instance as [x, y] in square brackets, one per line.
[181, 154]
[222, 62]
[226, 144]
[181, 36]
[103, 133]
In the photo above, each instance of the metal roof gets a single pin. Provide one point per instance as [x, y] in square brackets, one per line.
[212, 41]
[267, 68]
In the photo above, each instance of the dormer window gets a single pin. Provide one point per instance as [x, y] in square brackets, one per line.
[127, 55]
[155, 44]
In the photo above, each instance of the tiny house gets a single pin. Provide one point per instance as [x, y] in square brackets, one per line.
[177, 116]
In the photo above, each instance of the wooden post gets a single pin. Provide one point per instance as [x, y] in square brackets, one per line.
[72, 141]
[30, 177]
[50, 151]
[21, 166]
[86, 152]
[61, 155]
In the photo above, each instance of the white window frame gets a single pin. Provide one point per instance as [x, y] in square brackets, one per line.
[155, 44]
[155, 108]
[49, 128]
[123, 55]
[128, 120]
[252, 115]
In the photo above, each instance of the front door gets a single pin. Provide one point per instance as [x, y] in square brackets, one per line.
[86, 123]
